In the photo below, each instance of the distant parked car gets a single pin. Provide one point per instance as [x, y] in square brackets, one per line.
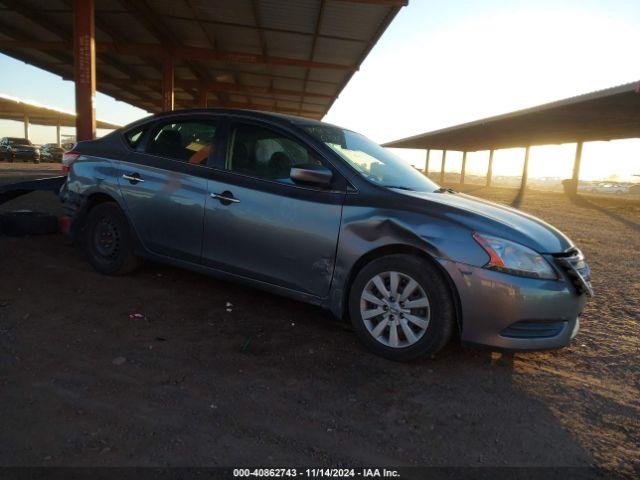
[12, 148]
[51, 152]
[324, 215]
[608, 187]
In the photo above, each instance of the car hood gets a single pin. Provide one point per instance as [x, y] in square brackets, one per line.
[493, 219]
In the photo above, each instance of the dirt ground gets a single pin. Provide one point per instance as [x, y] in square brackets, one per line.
[276, 382]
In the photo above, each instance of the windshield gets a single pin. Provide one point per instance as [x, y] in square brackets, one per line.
[372, 161]
[19, 141]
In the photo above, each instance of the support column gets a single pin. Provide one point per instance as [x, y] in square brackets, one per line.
[525, 170]
[576, 169]
[84, 46]
[58, 135]
[426, 162]
[464, 167]
[490, 168]
[444, 161]
[26, 126]
[202, 97]
[167, 85]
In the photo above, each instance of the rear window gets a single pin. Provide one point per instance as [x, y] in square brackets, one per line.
[135, 135]
[18, 141]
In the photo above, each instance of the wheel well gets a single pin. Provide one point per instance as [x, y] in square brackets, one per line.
[96, 199]
[406, 249]
[89, 203]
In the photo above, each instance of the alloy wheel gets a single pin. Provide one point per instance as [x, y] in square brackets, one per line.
[395, 309]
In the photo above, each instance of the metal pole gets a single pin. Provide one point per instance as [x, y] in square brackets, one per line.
[426, 162]
[576, 168]
[167, 85]
[464, 167]
[490, 168]
[525, 170]
[58, 135]
[85, 68]
[26, 126]
[444, 160]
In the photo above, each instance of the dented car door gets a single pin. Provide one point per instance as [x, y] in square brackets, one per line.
[260, 224]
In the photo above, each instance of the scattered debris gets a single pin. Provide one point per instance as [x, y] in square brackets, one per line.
[161, 339]
[119, 360]
[5, 303]
[229, 310]
[229, 304]
[133, 316]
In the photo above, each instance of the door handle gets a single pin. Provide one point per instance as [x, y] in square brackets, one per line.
[224, 197]
[133, 178]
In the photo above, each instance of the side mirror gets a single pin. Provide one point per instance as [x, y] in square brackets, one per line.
[316, 175]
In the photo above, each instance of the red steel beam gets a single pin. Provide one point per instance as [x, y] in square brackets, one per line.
[65, 46]
[84, 53]
[182, 53]
[167, 85]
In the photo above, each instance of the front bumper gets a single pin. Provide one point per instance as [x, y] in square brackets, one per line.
[25, 155]
[515, 313]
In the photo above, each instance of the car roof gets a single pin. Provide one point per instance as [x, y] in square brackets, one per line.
[278, 117]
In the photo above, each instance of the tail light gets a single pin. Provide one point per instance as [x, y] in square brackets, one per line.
[68, 158]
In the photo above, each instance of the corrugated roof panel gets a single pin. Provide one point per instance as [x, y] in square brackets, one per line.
[287, 45]
[169, 7]
[209, 24]
[335, 76]
[49, 5]
[262, 101]
[337, 51]
[127, 27]
[288, 84]
[324, 88]
[30, 28]
[287, 71]
[236, 11]
[353, 20]
[234, 39]
[298, 15]
[101, 5]
[190, 33]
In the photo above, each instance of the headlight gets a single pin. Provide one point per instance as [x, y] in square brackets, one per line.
[510, 257]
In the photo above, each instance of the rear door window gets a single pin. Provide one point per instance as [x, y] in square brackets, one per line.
[188, 141]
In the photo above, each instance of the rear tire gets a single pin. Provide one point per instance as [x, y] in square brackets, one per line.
[108, 242]
[417, 304]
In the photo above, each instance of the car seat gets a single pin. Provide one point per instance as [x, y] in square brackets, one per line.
[169, 143]
[279, 165]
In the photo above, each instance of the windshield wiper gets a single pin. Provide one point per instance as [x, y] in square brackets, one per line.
[399, 187]
[445, 190]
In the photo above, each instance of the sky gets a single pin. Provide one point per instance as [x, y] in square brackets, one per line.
[441, 63]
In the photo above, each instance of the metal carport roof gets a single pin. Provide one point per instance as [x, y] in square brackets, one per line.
[291, 56]
[608, 114]
[14, 109]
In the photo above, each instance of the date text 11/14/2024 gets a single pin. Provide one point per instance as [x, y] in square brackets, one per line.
[316, 473]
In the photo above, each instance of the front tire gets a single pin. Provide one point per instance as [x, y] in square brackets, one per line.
[107, 240]
[401, 308]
